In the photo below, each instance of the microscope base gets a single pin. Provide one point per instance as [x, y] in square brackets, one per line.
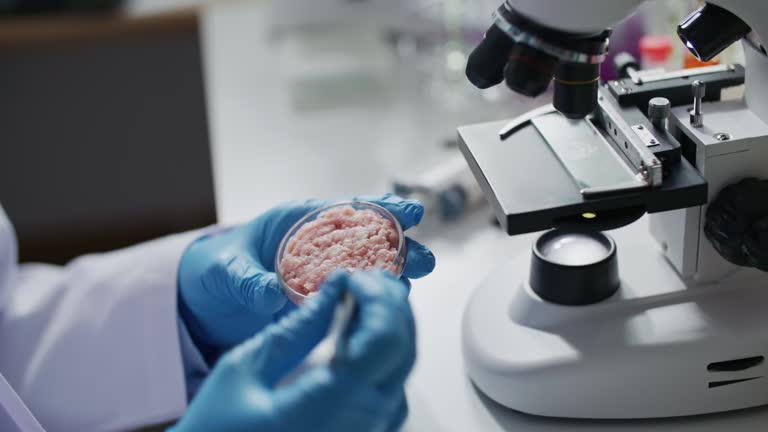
[660, 347]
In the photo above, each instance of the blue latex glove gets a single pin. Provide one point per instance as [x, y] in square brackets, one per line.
[227, 285]
[362, 391]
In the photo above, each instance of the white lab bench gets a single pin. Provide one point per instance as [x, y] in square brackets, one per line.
[266, 150]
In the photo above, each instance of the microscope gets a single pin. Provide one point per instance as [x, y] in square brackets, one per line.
[585, 327]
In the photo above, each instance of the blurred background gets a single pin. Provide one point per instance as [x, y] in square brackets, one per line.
[124, 120]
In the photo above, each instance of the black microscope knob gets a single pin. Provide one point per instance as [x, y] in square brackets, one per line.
[737, 223]
[756, 244]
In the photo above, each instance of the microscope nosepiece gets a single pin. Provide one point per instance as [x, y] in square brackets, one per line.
[527, 54]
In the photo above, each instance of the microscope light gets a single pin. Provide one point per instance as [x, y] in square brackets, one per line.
[711, 29]
[584, 261]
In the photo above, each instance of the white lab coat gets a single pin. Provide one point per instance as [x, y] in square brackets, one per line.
[94, 345]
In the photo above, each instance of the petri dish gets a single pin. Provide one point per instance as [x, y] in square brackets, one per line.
[298, 294]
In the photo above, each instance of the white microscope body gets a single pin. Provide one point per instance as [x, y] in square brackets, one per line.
[687, 331]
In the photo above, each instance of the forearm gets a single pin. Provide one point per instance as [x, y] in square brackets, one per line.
[95, 345]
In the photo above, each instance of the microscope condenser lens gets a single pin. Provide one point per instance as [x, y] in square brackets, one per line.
[574, 267]
[575, 249]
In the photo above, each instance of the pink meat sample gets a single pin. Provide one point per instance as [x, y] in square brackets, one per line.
[340, 238]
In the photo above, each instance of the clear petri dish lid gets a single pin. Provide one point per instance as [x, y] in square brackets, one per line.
[396, 266]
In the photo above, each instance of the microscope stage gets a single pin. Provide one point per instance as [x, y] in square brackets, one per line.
[531, 190]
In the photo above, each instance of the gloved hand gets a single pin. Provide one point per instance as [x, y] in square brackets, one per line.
[363, 390]
[227, 286]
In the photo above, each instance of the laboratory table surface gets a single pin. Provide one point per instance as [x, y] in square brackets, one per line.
[272, 142]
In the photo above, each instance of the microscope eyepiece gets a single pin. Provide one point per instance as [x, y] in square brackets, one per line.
[709, 30]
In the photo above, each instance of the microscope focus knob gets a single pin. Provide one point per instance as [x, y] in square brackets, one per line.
[737, 223]
[659, 109]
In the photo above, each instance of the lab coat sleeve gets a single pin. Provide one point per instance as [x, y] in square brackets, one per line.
[95, 345]
[195, 366]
